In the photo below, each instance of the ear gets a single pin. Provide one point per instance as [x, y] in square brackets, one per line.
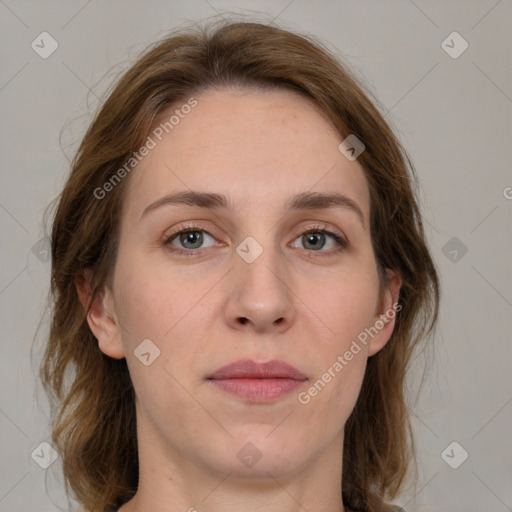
[101, 316]
[385, 315]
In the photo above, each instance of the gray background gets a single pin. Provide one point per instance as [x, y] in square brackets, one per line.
[453, 115]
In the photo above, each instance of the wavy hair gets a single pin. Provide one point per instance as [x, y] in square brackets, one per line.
[91, 395]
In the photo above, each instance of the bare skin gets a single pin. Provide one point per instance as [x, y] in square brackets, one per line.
[301, 300]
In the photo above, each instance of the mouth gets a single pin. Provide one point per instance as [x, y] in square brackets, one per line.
[257, 382]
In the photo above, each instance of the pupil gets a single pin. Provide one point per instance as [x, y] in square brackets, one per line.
[311, 237]
[191, 237]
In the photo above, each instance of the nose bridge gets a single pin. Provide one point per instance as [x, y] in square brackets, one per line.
[261, 291]
[259, 264]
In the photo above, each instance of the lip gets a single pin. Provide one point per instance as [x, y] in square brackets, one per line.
[257, 382]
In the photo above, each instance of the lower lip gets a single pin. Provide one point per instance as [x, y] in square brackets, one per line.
[258, 390]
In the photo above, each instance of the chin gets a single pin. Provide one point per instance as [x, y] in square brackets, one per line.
[255, 454]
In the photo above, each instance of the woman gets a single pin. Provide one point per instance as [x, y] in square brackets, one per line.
[240, 276]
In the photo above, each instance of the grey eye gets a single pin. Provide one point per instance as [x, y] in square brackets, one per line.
[191, 239]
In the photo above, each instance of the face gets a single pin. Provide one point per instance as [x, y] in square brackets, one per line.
[259, 279]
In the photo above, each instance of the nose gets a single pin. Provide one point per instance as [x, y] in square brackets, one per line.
[261, 296]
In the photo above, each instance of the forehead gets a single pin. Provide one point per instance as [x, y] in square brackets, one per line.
[257, 147]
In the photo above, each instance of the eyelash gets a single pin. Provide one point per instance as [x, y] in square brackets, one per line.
[196, 252]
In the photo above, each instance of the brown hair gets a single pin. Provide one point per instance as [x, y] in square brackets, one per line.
[92, 397]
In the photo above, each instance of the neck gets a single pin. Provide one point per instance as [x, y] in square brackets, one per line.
[173, 480]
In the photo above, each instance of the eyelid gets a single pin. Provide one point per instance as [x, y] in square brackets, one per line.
[340, 239]
[188, 227]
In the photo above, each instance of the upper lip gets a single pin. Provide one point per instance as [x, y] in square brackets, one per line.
[249, 369]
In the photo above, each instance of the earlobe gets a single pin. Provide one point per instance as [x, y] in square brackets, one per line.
[101, 316]
[388, 308]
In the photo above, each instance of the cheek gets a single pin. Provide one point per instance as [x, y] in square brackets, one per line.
[166, 306]
[152, 299]
[344, 306]
[160, 309]
[344, 303]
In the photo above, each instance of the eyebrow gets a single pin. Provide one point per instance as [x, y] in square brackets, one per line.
[302, 201]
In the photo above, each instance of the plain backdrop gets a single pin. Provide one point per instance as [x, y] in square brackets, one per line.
[451, 107]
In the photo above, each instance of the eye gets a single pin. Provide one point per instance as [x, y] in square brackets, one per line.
[314, 239]
[190, 239]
